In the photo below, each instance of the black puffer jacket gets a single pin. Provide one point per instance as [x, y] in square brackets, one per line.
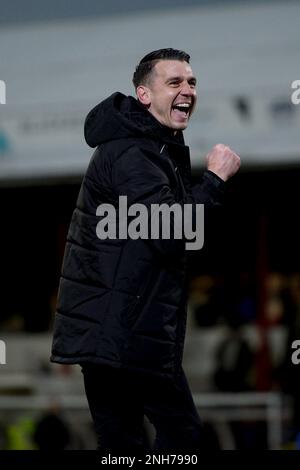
[122, 302]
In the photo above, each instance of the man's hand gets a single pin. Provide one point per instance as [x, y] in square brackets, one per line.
[222, 161]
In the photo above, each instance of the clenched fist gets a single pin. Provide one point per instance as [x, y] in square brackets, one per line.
[222, 161]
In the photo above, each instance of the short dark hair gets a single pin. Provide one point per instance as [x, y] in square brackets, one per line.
[144, 69]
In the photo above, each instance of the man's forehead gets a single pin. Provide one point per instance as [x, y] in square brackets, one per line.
[168, 68]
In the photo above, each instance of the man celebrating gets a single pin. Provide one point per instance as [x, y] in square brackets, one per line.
[121, 310]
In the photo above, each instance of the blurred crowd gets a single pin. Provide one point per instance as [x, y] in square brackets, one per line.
[260, 324]
[253, 354]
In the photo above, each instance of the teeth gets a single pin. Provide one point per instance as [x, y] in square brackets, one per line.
[183, 105]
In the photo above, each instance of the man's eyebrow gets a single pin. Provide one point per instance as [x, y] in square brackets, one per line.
[180, 78]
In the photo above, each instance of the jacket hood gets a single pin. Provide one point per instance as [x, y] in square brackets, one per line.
[120, 116]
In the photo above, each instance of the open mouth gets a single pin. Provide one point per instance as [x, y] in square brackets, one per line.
[182, 110]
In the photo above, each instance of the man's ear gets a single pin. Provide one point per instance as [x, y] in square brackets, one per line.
[143, 95]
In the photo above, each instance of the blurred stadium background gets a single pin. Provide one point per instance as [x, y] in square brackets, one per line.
[58, 59]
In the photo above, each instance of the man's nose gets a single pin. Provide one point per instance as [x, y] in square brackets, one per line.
[188, 90]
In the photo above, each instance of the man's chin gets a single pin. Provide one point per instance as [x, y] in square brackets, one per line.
[180, 126]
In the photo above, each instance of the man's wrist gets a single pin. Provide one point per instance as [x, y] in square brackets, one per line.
[216, 179]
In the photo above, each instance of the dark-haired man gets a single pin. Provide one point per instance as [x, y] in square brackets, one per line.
[121, 309]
